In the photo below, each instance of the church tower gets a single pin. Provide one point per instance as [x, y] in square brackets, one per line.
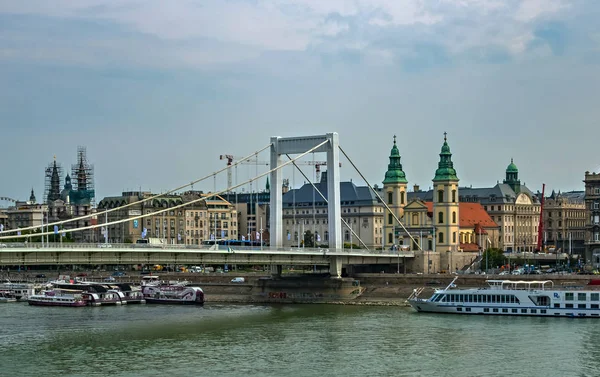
[394, 191]
[512, 177]
[445, 202]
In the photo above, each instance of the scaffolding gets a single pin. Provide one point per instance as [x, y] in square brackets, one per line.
[83, 175]
[53, 177]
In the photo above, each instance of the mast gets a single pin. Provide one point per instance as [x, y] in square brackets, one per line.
[541, 223]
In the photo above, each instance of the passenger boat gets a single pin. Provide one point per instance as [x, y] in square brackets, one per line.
[507, 297]
[21, 291]
[93, 294]
[58, 297]
[173, 294]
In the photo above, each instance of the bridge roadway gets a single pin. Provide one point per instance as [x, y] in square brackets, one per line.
[94, 254]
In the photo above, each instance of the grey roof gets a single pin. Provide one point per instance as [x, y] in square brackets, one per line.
[500, 193]
[350, 194]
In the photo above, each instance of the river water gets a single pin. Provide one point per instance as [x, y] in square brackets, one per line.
[294, 340]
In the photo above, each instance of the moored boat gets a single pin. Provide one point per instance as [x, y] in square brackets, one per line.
[508, 297]
[177, 295]
[7, 297]
[58, 297]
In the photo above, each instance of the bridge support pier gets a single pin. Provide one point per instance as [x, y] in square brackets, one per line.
[335, 267]
[276, 270]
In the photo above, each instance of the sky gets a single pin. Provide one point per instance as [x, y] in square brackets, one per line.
[158, 90]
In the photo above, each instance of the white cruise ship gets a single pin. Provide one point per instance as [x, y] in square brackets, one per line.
[506, 297]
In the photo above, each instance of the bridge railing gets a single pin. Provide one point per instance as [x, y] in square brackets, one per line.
[216, 248]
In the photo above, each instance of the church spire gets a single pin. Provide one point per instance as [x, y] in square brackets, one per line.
[32, 197]
[445, 170]
[395, 174]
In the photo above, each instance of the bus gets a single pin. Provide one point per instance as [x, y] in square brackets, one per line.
[244, 243]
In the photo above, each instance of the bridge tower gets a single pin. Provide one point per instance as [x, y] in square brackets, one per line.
[445, 202]
[296, 145]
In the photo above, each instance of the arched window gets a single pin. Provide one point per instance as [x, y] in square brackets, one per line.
[415, 219]
[390, 198]
[390, 238]
[441, 237]
[453, 196]
[402, 197]
[454, 218]
[454, 237]
[347, 235]
[440, 196]
[440, 217]
[390, 219]
[326, 235]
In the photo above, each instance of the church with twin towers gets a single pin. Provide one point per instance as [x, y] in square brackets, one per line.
[449, 218]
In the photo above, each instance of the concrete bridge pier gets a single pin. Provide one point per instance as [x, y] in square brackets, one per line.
[276, 270]
[335, 266]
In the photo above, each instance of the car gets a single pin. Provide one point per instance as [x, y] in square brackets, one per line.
[3, 245]
[238, 280]
[118, 273]
[104, 245]
[40, 276]
[110, 278]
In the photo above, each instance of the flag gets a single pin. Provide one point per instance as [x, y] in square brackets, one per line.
[289, 236]
[55, 229]
[257, 236]
[144, 232]
[212, 236]
[243, 238]
[1, 227]
[178, 237]
[19, 233]
[318, 237]
[222, 234]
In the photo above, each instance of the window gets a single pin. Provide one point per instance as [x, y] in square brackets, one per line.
[533, 311]
[581, 296]
[390, 219]
[390, 238]
[453, 196]
[441, 237]
[454, 237]
[524, 311]
[402, 197]
[440, 217]
[557, 306]
[569, 296]
[504, 310]
[514, 310]
[543, 311]
[495, 310]
[440, 196]
[390, 198]
[486, 310]
[568, 305]
[454, 218]
[581, 306]
[415, 219]
[594, 296]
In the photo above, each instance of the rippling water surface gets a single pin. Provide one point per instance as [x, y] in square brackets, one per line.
[295, 340]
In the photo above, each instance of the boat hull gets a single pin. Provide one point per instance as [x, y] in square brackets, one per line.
[167, 301]
[77, 304]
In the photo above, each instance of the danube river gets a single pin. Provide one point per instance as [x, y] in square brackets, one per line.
[294, 340]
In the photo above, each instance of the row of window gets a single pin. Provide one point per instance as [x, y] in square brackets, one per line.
[570, 296]
[477, 298]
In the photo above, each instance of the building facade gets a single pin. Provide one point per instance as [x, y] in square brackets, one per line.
[446, 210]
[511, 205]
[592, 218]
[564, 222]
[305, 213]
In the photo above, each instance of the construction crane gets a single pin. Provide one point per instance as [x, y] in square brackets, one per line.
[250, 161]
[541, 222]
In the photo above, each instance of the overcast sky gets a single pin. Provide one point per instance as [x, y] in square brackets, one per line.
[157, 90]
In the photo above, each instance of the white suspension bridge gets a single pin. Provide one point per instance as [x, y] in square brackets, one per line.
[276, 255]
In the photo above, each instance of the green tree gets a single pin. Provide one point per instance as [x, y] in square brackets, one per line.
[309, 239]
[494, 257]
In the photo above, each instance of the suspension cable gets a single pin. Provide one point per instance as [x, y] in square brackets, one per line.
[209, 195]
[382, 201]
[326, 201]
[140, 201]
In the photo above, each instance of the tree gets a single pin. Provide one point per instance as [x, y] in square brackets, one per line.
[309, 239]
[494, 257]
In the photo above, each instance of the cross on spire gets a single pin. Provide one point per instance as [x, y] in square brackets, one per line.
[394, 139]
[445, 133]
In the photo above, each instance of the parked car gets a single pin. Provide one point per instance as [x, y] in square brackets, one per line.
[118, 273]
[40, 276]
[238, 280]
[110, 278]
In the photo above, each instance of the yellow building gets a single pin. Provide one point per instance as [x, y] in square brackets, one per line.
[394, 194]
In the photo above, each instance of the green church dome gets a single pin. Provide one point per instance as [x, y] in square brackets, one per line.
[395, 174]
[512, 168]
[445, 170]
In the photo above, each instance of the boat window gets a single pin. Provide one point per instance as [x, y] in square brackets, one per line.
[503, 298]
[594, 306]
[514, 310]
[543, 311]
[524, 311]
[581, 306]
[594, 296]
[495, 310]
[569, 296]
[468, 309]
[568, 305]
[581, 296]
[533, 311]
[557, 305]
[461, 298]
[486, 310]
[459, 309]
[504, 310]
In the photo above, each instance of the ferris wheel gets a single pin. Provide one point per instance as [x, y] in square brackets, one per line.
[7, 199]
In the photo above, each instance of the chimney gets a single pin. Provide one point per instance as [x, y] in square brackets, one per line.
[416, 188]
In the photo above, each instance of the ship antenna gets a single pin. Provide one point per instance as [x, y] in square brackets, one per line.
[451, 284]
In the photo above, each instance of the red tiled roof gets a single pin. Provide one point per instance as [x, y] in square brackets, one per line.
[470, 214]
[469, 246]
